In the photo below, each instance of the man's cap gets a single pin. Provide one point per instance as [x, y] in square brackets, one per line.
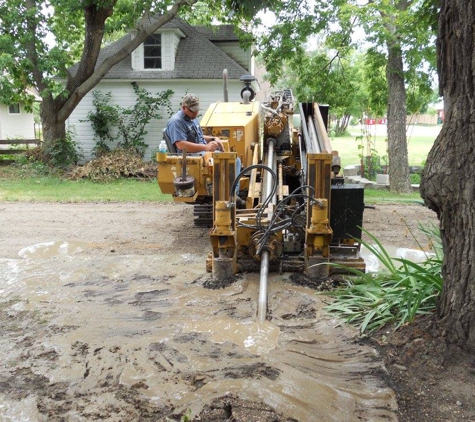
[192, 102]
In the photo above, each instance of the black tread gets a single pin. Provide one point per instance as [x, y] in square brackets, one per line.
[203, 215]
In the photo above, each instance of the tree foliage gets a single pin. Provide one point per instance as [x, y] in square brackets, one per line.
[41, 40]
[334, 80]
[341, 22]
[402, 56]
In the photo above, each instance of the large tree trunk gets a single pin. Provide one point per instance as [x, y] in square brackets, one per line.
[397, 140]
[448, 181]
[54, 130]
[53, 127]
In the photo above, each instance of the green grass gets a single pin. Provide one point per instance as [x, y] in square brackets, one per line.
[382, 196]
[24, 184]
[56, 189]
[420, 141]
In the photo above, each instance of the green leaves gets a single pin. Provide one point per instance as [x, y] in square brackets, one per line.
[125, 125]
[397, 295]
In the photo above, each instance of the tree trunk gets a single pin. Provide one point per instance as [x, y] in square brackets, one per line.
[343, 124]
[448, 181]
[397, 140]
[54, 129]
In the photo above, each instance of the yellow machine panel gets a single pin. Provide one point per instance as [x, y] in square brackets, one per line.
[236, 122]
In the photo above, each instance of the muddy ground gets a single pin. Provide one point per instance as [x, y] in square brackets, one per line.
[104, 316]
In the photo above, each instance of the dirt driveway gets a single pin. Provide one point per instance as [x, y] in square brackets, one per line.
[103, 316]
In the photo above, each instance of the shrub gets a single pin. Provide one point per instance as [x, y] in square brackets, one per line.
[60, 153]
[415, 178]
[397, 295]
[125, 126]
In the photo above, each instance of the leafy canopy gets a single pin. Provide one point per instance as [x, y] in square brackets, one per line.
[40, 40]
[320, 74]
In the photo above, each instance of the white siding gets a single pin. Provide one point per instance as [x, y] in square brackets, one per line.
[20, 125]
[136, 58]
[233, 50]
[123, 94]
[168, 53]
[176, 42]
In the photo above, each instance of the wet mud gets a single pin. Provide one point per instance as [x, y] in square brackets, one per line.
[117, 325]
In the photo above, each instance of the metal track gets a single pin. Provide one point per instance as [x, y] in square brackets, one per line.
[203, 215]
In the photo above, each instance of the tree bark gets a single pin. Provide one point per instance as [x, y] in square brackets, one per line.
[53, 129]
[448, 180]
[397, 140]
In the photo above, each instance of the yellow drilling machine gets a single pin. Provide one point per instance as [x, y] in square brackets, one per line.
[299, 216]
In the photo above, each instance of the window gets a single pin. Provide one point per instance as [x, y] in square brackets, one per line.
[14, 109]
[152, 49]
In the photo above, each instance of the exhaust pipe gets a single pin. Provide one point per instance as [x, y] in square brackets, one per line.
[225, 84]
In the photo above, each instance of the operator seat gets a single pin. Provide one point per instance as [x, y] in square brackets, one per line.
[170, 144]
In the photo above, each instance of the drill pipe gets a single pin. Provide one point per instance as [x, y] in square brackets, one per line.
[262, 306]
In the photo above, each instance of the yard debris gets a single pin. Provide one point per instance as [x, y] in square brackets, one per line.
[116, 164]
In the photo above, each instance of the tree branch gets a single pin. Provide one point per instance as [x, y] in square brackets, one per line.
[145, 27]
[31, 51]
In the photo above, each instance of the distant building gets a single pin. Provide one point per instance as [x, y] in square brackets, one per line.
[180, 57]
[16, 122]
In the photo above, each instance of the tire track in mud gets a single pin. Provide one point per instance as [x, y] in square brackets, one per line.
[139, 338]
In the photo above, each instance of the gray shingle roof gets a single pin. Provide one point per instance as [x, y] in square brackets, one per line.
[197, 58]
[218, 33]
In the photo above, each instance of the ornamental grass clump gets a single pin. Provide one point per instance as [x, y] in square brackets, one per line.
[397, 294]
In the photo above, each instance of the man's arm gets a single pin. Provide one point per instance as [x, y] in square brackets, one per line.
[191, 147]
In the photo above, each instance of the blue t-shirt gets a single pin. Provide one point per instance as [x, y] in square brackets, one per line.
[181, 128]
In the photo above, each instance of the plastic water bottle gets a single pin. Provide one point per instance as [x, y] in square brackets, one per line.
[162, 151]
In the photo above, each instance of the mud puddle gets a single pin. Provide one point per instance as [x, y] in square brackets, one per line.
[138, 337]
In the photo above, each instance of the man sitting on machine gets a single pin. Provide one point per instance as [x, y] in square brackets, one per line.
[184, 132]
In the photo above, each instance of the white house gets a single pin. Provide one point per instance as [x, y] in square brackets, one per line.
[180, 57]
[16, 122]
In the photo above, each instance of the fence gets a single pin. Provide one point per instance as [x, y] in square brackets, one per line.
[422, 119]
[15, 146]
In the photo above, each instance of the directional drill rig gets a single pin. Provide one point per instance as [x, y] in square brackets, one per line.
[300, 216]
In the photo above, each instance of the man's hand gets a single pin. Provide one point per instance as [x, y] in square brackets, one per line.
[214, 146]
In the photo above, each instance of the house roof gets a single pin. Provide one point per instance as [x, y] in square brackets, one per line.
[196, 58]
[218, 33]
[33, 91]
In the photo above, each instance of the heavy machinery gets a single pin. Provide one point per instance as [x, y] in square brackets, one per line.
[300, 216]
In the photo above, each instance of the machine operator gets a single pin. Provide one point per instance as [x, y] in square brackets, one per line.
[185, 132]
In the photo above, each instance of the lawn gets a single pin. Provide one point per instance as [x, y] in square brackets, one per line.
[420, 141]
[57, 189]
[21, 185]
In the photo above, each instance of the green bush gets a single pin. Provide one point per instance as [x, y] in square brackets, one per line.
[125, 127]
[415, 178]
